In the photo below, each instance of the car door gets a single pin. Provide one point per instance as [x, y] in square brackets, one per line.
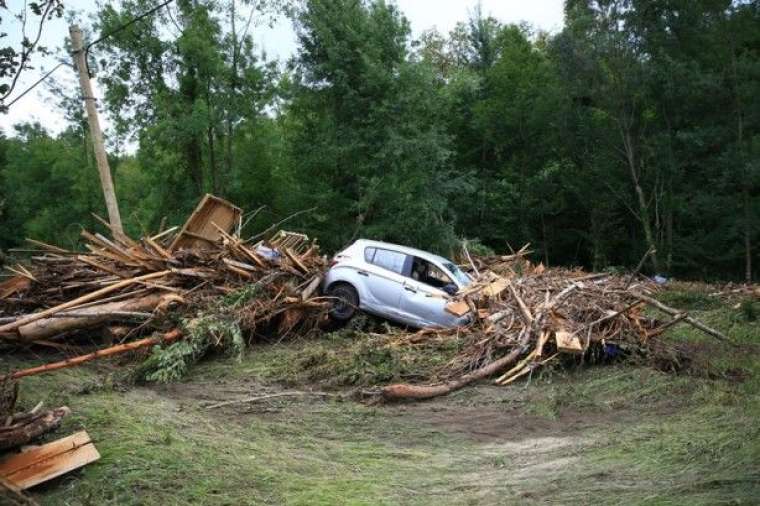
[426, 304]
[384, 283]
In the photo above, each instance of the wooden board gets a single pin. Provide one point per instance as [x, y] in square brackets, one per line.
[568, 343]
[42, 463]
[496, 287]
[458, 308]
[16, 284]
[199, 230]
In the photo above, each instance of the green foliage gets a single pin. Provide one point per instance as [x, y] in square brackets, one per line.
[749, 310]
[50, 187]
[635, 126]
[202, 334]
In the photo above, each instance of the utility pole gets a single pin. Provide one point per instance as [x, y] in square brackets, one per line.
[80, 61]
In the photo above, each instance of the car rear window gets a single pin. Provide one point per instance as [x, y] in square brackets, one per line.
[391, 260]
[369, 254]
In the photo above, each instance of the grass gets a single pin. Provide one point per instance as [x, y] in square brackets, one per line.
[616, 434]
[156, 452]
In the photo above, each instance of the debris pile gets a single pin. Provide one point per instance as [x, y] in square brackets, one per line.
[211, 280]
[126, 287]
[526, 316]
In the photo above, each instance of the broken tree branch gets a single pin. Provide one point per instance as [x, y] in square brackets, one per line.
[688, 319]
[168, 337]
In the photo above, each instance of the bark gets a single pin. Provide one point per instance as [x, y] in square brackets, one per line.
[28, 428]
[167, 338]
[745, 185]
[12, 327]
[747, 233]
[86, 318]
[402, 391]
[533, 325]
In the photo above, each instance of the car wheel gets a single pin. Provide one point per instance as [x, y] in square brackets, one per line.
[346, 301]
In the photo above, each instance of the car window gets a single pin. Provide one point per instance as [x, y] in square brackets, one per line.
[428, 273]
[438, 276]
[458, 273]
[369, 254]
[391, 260]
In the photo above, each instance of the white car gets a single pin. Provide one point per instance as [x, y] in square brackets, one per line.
[402, 284]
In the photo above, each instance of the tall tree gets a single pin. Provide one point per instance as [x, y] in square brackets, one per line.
[366, 144]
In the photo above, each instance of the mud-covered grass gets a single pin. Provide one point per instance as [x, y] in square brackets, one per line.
[623, 433]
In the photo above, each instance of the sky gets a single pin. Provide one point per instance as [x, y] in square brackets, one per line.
[278, 41]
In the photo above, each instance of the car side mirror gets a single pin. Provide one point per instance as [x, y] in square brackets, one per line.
[450, 289]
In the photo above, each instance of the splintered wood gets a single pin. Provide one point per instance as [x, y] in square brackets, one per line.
[522, 316]
[38, 464]
[123, 282]
[526, 316]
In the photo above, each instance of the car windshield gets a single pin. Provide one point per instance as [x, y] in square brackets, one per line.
[458, 273]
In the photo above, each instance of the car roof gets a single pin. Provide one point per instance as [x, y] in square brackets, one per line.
[402, 249]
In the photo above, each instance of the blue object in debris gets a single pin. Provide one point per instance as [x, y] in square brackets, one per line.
[611, 350]
[660, 280]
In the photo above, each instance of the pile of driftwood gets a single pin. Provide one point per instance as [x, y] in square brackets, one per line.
[124, 287]
[525, 316]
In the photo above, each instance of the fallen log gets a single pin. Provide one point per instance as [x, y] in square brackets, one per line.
[404, 391]
[80, 300]
[23, 432]
[88, 318]
[168, 337]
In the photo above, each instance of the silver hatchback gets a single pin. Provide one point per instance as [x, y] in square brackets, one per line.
[402, 284]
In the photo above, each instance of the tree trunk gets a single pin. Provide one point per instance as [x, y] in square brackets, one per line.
[212, 161]
[747, 233]
[644, 217]
[22, 431]
[232, 94]
[86, 318]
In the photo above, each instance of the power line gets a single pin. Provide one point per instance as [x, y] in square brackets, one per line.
[4, 108]
[30, 88]
[127, 24]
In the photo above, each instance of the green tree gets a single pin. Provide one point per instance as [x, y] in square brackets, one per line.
[366, 146]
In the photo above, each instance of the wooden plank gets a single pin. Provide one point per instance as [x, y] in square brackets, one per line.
[48, 247]
[294, 258]
[199, 227]
[239, 265]
[118, 235]
[157, 248]
[164, 233]
[496, 287]
[42, 463]
[252, 255]
[107, 254]
[458, 308]
[16, 284]
[101, 267]
[568, 342]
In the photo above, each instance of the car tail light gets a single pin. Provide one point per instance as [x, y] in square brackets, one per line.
[333, 263]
